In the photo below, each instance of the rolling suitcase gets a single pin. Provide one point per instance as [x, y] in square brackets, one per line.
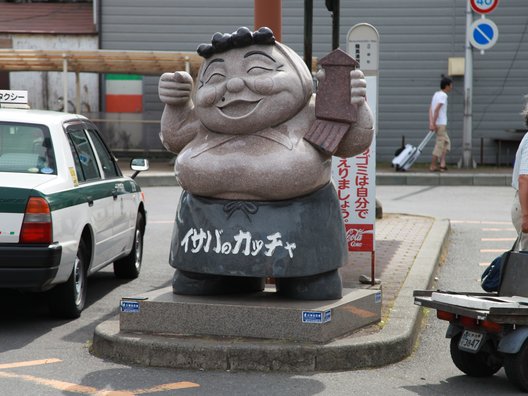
[406, 158]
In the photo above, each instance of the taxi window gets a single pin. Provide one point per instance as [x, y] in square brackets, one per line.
[110, 168]
[83, 155]
[26, 148]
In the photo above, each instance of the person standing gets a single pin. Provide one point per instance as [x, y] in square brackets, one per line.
[438, 124]
[519, 210]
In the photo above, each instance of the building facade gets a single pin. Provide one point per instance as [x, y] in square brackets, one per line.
[417, 38]
[49, 26]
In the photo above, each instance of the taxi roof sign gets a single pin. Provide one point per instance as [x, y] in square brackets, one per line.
[9, 96]
[12, 98]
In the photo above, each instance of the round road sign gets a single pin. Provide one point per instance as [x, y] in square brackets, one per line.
[484, 6]
[484, 34]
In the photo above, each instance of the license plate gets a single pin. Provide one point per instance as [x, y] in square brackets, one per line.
[471, 341]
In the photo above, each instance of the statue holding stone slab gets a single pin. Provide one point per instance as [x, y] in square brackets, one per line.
[254, 160]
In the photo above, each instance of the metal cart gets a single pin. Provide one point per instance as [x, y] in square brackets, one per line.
[487, 331]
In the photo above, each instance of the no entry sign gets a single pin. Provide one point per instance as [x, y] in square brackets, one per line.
[484, 6]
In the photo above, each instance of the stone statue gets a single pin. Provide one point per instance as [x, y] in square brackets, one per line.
[258, 201]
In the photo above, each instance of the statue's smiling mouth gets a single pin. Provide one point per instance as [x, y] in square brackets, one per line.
[238, 108]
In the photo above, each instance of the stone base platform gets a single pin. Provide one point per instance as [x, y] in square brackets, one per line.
[253, 332]
[262, 315]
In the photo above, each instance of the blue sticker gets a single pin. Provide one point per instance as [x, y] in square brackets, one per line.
[46, 170]
[129, 306]
[377, 297]
[85, 160]
[328, 316]
[312, 317]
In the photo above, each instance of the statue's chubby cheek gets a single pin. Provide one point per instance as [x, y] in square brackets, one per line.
[263, 86]
[206, 97]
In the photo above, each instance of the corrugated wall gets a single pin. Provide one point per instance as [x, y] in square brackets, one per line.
[417, 38]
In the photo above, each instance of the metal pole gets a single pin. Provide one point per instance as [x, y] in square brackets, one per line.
[308, 30]
[335, 25]
[65, 82]
[467, 160]
[77, 93]
[373, 268]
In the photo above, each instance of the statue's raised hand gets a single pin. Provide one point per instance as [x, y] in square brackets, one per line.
[175, 88]
[358, 87]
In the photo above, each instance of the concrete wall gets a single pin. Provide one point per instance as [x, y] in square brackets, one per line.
[417, 38]
[45, 89]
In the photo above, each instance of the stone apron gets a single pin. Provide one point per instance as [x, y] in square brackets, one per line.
[288, 238]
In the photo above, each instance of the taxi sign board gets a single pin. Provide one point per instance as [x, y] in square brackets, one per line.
[483, 34]
[484, 6]
[13, 97]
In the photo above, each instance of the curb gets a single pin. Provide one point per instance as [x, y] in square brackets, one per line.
[154, 179]
[391, 344]
[442, 179]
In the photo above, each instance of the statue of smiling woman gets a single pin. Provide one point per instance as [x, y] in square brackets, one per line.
[257, 199]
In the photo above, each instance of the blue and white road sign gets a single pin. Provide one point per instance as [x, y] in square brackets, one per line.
[483, 34]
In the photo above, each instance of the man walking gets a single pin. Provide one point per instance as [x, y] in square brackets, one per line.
[438, 124]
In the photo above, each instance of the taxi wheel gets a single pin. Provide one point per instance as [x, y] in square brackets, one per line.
[129, 267]
[67, 300]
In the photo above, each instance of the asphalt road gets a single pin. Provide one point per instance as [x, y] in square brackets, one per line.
[42, 356]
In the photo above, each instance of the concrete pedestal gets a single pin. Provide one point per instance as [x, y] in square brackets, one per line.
[262, 315]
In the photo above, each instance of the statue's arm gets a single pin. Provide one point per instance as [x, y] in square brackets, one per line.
[179, 124]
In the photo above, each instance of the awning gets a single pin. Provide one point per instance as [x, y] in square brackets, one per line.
[148, 63]
[100, 61]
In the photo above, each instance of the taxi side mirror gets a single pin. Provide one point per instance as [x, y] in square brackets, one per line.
[139, 165]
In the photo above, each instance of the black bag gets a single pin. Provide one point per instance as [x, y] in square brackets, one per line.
[514, 275]
[491, 277]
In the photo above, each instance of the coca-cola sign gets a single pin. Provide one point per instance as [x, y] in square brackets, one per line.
[360, 237]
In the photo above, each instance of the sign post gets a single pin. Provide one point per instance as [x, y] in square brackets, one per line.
[481, 34]
[467, 157]
[355, 178]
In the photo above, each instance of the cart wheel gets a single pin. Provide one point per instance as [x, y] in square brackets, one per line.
[516, 367]
[484, 363]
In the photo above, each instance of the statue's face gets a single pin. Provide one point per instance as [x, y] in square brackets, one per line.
[245, 90]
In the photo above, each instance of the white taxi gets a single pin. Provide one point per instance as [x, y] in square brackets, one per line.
[66, 210]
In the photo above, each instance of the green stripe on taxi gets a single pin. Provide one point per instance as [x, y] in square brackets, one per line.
[14, 200]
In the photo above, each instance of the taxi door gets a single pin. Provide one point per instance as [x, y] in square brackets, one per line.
[97, 192]
[124, 212]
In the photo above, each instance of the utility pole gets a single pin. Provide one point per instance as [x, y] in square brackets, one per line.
[269, 13]
[467, 158]
[334, 7]
[308, 31]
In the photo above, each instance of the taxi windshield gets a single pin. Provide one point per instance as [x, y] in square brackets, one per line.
[26, 148]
